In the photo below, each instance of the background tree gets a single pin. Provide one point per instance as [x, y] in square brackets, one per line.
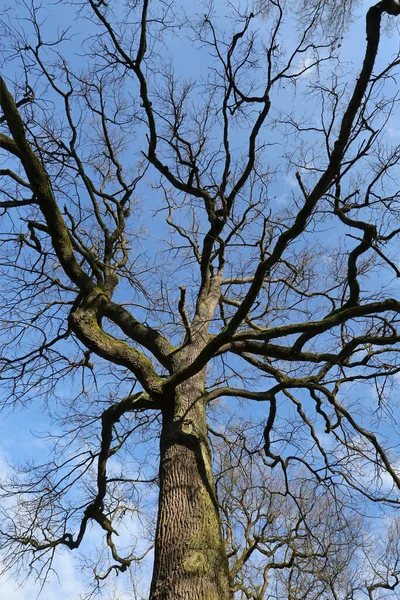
[306, 542]
[288, 304]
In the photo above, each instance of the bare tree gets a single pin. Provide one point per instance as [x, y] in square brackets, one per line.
[306, 541]
[287, 304]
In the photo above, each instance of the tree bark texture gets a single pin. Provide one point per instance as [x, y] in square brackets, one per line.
[190, 556]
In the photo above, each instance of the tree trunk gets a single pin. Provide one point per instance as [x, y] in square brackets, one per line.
[190, 558]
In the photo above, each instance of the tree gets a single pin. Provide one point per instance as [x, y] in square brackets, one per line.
[312, 542]
[292, 306]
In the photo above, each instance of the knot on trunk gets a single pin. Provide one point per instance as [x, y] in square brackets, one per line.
[185, 431]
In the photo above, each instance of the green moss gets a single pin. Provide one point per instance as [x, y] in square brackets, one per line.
[205, 550]
[196, 562]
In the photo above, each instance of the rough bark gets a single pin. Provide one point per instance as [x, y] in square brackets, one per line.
[190, 557]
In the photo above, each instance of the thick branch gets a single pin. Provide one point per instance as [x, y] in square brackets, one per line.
[41, 187]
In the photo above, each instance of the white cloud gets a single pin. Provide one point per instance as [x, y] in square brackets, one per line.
[65, 585]
[392, 132]
[290, 180]
[67, 581]
[307, 65]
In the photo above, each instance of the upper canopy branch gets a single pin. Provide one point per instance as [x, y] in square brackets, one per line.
[41, 187]
[326, 180]
[84, 321]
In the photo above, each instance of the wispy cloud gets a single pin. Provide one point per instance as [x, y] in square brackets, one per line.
[65, 585]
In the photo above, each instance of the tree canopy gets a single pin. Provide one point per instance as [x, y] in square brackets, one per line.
[199, 268]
